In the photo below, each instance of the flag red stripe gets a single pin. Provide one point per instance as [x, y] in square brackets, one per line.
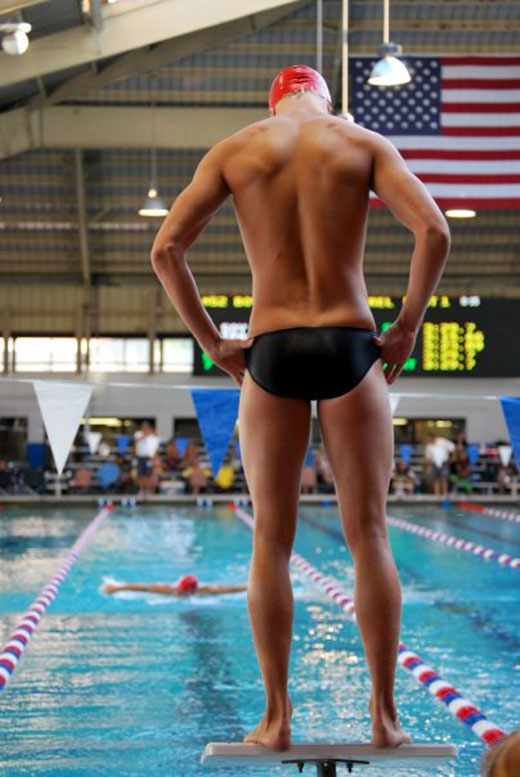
[481, 83]
[420, 153]
[496, 203]
[482, 132]
[481, 107]
[468, 178]
[477, 60]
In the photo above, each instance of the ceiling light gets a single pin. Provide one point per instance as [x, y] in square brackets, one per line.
[389, 71]
[153, 204]
[460, 213]
[14, 39]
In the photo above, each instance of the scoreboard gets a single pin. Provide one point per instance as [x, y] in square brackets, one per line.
[460, 336]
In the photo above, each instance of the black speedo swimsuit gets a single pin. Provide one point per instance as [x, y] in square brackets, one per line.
[311, 362]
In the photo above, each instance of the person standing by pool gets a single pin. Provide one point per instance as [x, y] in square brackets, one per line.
[300, 182]
[146, 444]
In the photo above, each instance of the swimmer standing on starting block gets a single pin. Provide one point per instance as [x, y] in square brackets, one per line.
[300, 182]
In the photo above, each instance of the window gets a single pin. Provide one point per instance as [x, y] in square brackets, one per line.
[177, 354]
[45, 354]
[119, 354]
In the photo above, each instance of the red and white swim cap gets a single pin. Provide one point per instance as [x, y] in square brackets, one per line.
[188, 584]
[297, 78]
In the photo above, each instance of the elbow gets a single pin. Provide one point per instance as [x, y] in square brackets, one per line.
[438, 233]
[157, 257]
[162, 254]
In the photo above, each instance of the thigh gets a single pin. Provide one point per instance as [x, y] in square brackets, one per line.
[274, 436]
[358, 436]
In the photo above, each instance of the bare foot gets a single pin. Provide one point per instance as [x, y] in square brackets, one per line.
[386, 729]
[275, 734]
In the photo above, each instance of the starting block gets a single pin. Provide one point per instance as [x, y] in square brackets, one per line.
[326, 757]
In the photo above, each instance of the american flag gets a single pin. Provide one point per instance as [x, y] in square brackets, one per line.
[457, 125]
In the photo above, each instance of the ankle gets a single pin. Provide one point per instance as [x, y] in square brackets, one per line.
[278, 712]
[381, 708]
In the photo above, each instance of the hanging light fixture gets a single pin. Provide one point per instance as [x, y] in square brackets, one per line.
[153, 205]
[14, 37]
[460, 213]
[389, 70]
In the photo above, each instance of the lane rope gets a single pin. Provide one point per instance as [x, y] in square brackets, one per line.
[443, 691]
[490, 554]
[494, 512]
[19, 639]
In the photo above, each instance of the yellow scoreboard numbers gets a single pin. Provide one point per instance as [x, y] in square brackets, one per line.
[449, 345]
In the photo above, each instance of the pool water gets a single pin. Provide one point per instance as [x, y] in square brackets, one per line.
[137, 684]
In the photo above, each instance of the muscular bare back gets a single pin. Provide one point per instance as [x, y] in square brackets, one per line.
[300, 190]
[300, 182]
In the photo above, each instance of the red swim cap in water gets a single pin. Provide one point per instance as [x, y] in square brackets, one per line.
[297, 78]
[188, 584]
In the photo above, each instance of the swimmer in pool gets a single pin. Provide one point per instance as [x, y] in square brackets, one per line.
[187, 585]
[300, 182]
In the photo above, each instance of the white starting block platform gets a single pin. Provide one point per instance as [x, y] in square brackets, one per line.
[327, 756]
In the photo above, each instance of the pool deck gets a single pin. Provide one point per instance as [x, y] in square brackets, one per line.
[162, 499]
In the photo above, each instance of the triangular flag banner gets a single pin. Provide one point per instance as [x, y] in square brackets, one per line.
[217, 412]
[473, 452]
[394, 401]
[93, 440]
[405, 450]
[511, 411]
[62, 406]
[505, 451]
[309, 458]
[238, 453]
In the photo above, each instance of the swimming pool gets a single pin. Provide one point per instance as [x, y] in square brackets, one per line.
[137, 684]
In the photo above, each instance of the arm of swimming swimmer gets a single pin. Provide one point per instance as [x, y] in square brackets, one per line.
[152, 588]
[221, 589]
[412, 205]
[189, 215]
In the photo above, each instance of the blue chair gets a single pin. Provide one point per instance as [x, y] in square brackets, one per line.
[108, 474]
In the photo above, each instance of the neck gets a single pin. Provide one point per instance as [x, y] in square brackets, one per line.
[301, 104]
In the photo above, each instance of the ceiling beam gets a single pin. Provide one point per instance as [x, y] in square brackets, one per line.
[168, 52]
[119, 127]
[127, 25]
[9, 6]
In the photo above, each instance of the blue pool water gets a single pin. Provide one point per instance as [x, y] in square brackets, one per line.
[136, 686]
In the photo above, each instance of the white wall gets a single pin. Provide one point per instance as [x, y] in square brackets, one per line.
[484, 419]
[153, 397]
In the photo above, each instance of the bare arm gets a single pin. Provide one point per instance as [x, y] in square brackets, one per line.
[411, 203]
[221, 589]
[153, 588]
[189, 215]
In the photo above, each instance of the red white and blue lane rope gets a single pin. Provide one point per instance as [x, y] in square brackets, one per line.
[494, 512]
[443, 691]
[490, 554]
[15, 646]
